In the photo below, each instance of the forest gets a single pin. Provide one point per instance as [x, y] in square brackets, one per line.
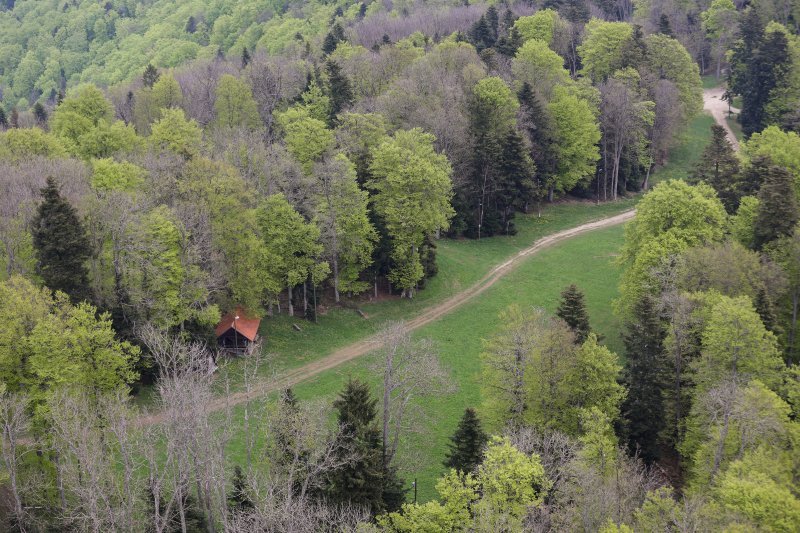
[521, 266]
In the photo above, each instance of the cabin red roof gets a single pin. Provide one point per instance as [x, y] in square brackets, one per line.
[246, 325]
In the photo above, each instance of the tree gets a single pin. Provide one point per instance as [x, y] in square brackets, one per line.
[238, 499]
[781, 148]
[572, 310]
[537, 125]
[412, 192]
[307, 138]
[341, 92]
[719, 167]
[645, 377]
[601, 50]
[343, 218]
[150, 75]
[720, 24]
[536, 64]
[234, 104]
[363, 481]
[576, 134]
[294, 242]
[62, 247]
[40, 114]
[174, 133]
[467, 443]
[777, 206]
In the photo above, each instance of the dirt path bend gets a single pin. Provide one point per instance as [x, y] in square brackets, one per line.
[714, 104]
[371, 343]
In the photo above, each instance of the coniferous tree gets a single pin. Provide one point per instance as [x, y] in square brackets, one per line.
[191, 25]
[517, 173]
[572, 310]
[719, 167]
[150, 76]
[364, 481]
[664, 26]
[245, 57]
[777, 209]
[62, 247]
[766, 310]
[341, 93]
[238, 499]
[538, 127]
[13, 121]
[40, 114]
[645, 377]
[3, 118]
[467, 443]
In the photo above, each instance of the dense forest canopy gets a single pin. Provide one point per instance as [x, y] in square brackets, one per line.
[163, 163]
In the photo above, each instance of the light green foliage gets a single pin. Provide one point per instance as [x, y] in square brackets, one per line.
[543, 69]
[412, 193]
[293, 241]
[307, 138]
[735, 346]
[343, 219]
[23, 143]
[510, 481]
[457, 492]
[576, 136]
[742, 225]
[84, 122]
[492, 97]
[541, 25]
[602, 47]
[659, 512]
[762, 502]
[316, 102]
[174, 133]
[166, 93]
[671, 218]
[166, 281]
[781, 147]
[22, 306]
[86, 101]
[612, 527]
[592, 382]
[598, 441]
[110, 175]
[234, 104]
[74, 347]
[672, 62]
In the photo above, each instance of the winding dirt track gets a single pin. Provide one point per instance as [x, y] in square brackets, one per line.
[714, 104]
[364, 346]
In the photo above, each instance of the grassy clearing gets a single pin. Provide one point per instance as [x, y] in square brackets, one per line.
[710, 81]
[587, 260]
[736, 127]
[684, 156]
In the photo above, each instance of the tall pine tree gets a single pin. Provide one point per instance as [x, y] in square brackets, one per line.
[467, 443]
[777, 209]
[341, 93]
[572, 310]
[62, 247]
[645, 377]
[365, 480]
[719, 167]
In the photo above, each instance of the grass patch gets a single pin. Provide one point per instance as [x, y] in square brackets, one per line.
[459, 335]
[710, 81]
[684, 156]
[736, 127]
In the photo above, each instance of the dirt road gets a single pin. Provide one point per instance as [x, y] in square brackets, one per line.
[362, 347]
[714, 104]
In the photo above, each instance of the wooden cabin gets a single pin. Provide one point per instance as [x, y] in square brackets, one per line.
[237, 332]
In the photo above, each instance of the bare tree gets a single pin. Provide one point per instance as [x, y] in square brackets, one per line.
[411, 370]
[15, 423]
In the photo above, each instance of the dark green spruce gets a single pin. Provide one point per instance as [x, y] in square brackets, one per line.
[572, 310]
[467, 443]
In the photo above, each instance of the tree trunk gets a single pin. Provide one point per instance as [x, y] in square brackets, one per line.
[336, 278]
[291, 305]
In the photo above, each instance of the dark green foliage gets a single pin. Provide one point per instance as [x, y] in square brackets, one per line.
[538, 127]
[572, 310]
[62, 247]
[13, 120]
[664, 25]
[191, 25]
[777, 210]
[365, 481]
[427, 255]
[245, 57]
[510, 43]
[40, 114]
[575, 11]
[518, 180]
[467, 443]
[645, 377]
[341, 93]
[150, 76]
[333, 38]
[239, 500]
[719, 167]
[766, 310]
[634, 51]
[485, 31]
[760, 63]
[3, 118]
